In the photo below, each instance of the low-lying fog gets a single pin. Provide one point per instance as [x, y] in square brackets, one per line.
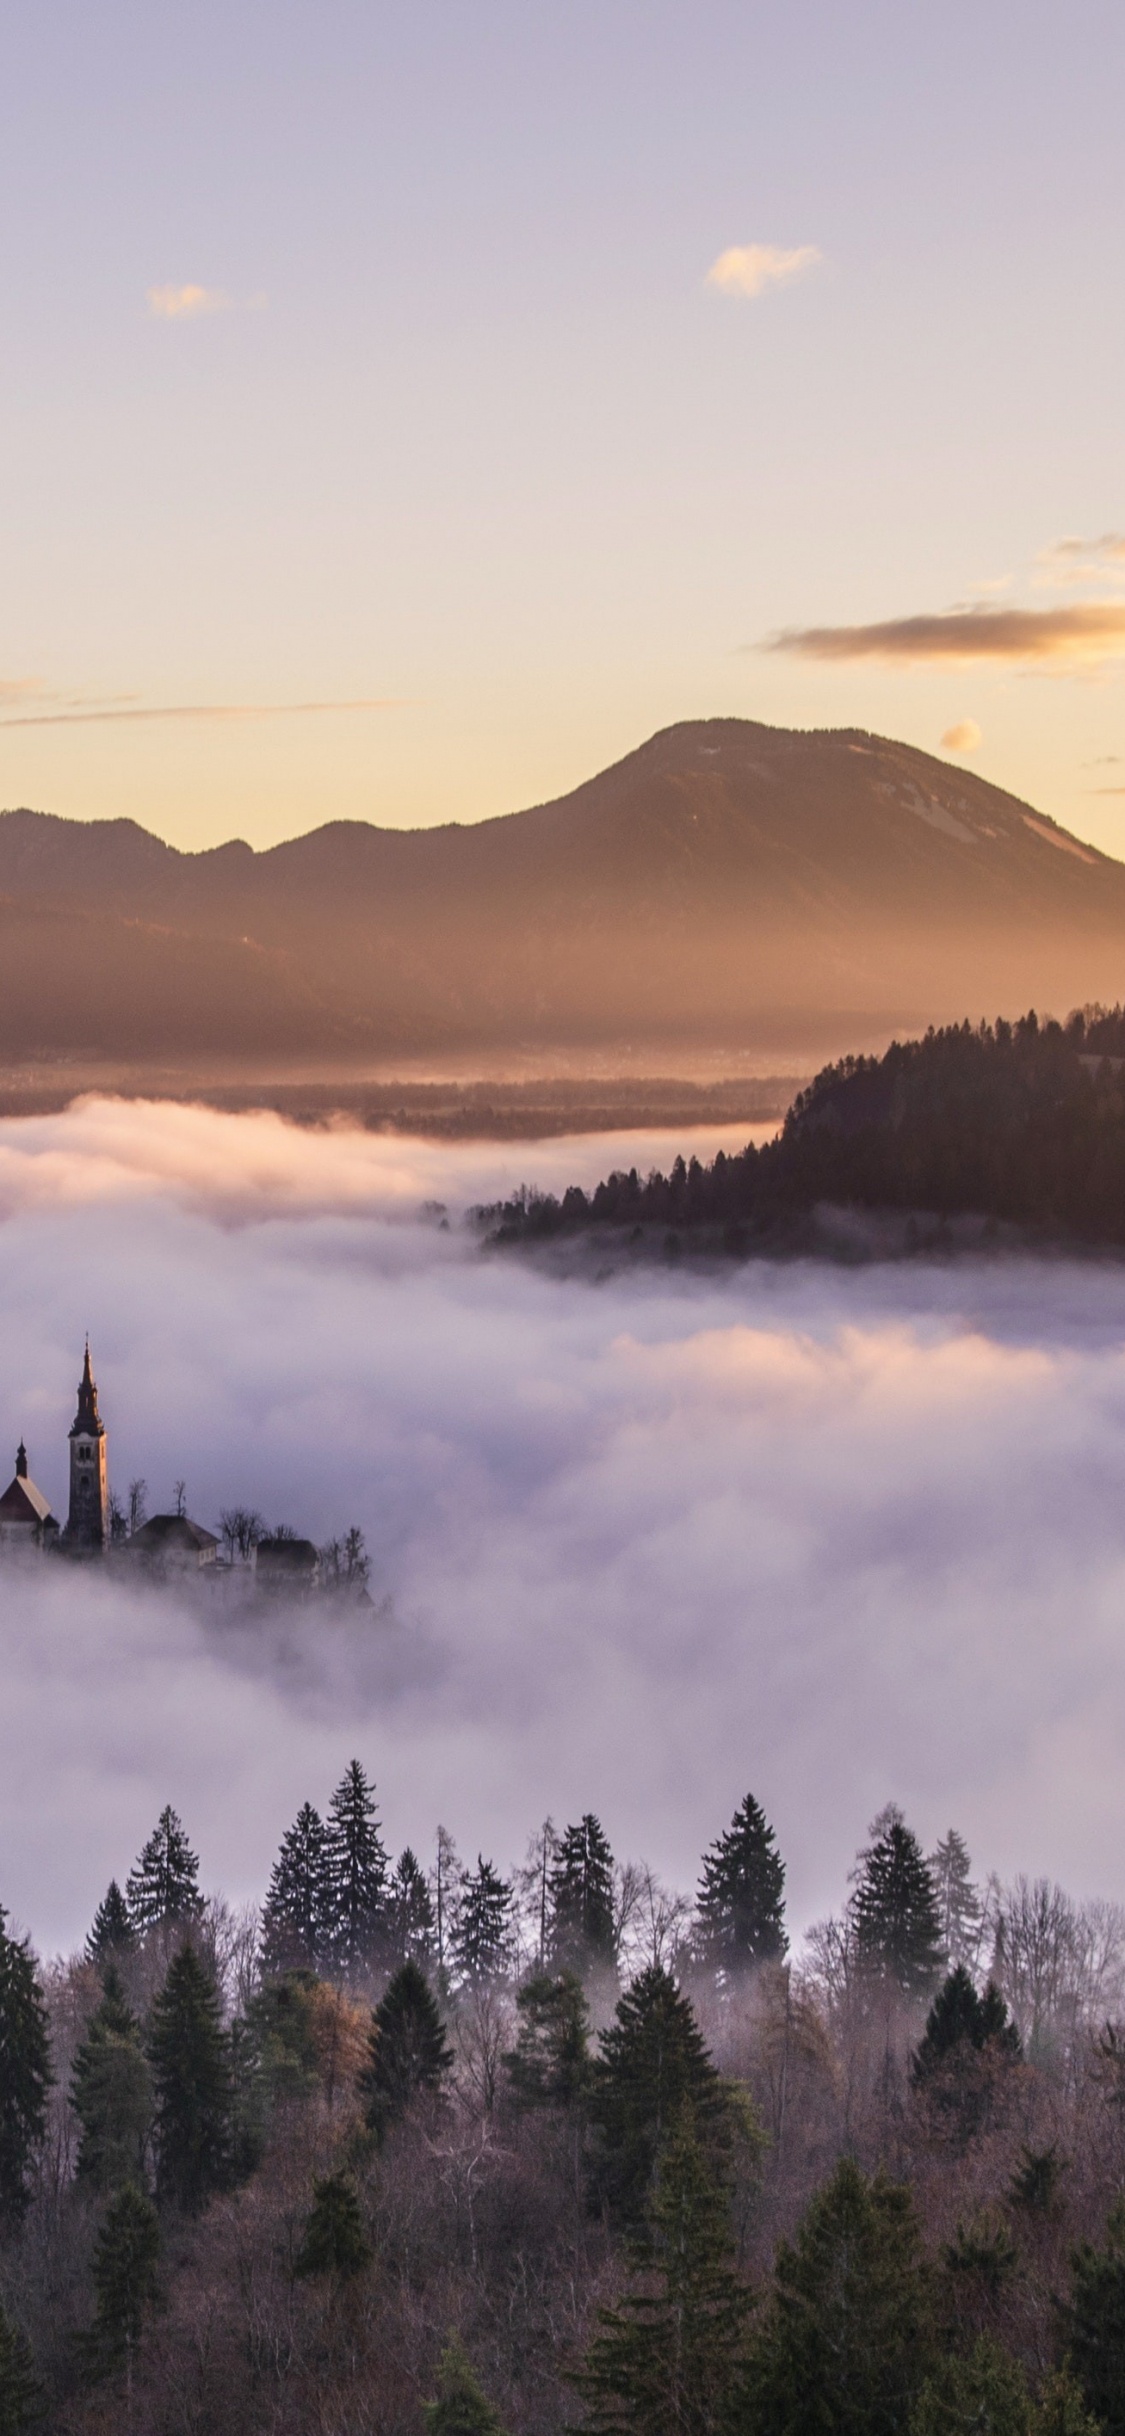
[835, 1536]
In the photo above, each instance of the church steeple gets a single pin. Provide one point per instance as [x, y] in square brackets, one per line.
[87, 1528]
[87, 1422]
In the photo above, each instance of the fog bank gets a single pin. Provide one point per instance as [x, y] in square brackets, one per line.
[834, 1535]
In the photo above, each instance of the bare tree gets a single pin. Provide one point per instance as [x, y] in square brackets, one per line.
[654, 1920]
[241, 1528]
[483, 2029]
[532, 1891]
[445, 1883]
[137, 1504]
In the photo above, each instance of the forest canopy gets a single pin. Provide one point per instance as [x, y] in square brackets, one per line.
[1018, 1124]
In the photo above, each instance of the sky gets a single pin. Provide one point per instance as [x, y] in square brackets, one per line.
[640, 1543]
[408, 408]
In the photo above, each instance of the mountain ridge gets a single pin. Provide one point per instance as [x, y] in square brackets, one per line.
[720, 873]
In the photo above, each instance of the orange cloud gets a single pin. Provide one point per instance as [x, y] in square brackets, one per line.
[194, 710]
[963, 737]
[748, 270]
[172, 303]
[1078, 636]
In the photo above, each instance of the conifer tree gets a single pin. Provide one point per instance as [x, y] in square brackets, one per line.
[894, 1909]
[960, 1909]
[334, 2242]
[982, 2392]
[741, 1900]
[1095, 2325]
[665, 2361]
[461, 2409]
[111, 1932]
[410, 1913]
[25, 2071]
[191, 2070]
[162, 1888]
[409, 2055]
[550, 2063]
[126, 2285]
[960, 2023]
[21, 2395]
[295, 1915]
[111, 2093]
[580, 1886]
[653, 2063]
[355, 1872]
[481, 1939]
[845, 2343]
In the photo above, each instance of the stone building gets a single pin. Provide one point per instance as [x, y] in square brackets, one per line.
[87, 1523]
[26, 1520]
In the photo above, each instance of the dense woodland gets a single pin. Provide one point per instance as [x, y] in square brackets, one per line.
[1019, 1123]
[438, 2147]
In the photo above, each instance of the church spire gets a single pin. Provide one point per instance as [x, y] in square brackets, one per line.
[87, 1422]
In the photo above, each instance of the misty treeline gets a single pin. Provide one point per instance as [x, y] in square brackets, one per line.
[422, 2143]
[1022, 1123]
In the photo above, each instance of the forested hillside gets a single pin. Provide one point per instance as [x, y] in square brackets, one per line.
[1021, 1124]
[435, 2146]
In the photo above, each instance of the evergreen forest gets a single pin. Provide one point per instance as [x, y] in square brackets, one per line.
[425, 2144]
[1017, 1126]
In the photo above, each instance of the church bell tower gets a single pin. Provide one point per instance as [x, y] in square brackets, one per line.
[87, 1528]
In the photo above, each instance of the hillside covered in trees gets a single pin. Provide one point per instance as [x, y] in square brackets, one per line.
[442, 2148]
[1019, 1125]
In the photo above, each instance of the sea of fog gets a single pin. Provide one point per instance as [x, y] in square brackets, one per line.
[836, 1535]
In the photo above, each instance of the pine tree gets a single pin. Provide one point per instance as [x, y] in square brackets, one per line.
[1095, 2325]
[111, 2093]
[461, 2409]
[894, 1909]
[163, 1887]
[481, 1941]
[1061, 2410]
[653, 2062]
[959, 2021]
[845, 2343]
[550, 2063]
[665, 2361]
[111, 1932]
[410, 1913]
[979, 2393]
[960, 1908]
[582, 1931]
[25, 2071]
[295, 1928]
[191, 2069]
[355, 1872]
[741, 1900]
[21, 2395]
[409, 2055]
[126, 2286]
[334, 2242]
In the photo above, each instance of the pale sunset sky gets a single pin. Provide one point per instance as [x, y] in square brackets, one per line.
[409, 405]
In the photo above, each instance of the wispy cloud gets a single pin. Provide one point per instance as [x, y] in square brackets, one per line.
[1078, 636]
[187, 303]
[79, 717]
[963, 737]
[1073, 561]
[749, 270]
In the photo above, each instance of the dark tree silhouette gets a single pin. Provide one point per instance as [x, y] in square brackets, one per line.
[653, 2063]
[162, 1888]
[334, 2241]
[409, 2054]
[111, 2093]
[296, 1913]
[191, 2069]
[25, 2072]
[355, 1872]
[741, 1901]
[580, 1886]
[894, 1909]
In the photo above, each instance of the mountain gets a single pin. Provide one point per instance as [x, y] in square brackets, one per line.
[727, 885]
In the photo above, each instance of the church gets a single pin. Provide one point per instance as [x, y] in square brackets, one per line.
[166, 1546]
[26, 1520]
